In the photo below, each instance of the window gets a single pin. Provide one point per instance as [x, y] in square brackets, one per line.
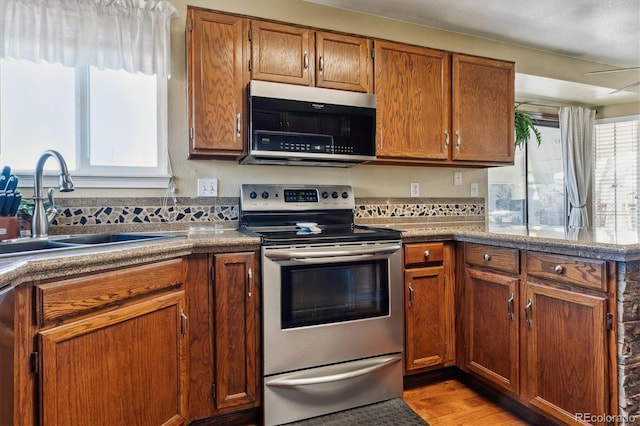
[531, 192]
[109, 125]
[615, 177]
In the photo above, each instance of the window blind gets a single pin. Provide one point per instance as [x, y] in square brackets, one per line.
[615, 186]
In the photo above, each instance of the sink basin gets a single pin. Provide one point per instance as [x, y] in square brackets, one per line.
[112, 238]
[31, 245]
[21, 246]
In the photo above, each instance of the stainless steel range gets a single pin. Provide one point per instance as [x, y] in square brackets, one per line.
[332, 301]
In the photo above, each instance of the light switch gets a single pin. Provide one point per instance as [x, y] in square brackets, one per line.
[457, 178]
[474, 189]
[415, 189]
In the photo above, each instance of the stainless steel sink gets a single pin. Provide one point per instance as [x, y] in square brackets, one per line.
[124, 237]
[22, 246]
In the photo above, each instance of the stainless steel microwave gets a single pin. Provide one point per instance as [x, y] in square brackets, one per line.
[300, 125]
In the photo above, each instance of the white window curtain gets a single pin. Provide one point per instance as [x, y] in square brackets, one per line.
[576, 134]
[133, 35]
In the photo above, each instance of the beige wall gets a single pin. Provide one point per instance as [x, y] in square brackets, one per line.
[368, 180]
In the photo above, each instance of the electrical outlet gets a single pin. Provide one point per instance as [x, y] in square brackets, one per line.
[415, 189]
[474, 189]
[457, 178]
[207, 187]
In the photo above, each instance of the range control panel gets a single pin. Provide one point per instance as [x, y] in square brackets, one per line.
[267, 197]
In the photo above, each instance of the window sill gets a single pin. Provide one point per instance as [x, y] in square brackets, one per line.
[89, 181]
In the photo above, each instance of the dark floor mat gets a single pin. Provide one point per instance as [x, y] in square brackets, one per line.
[394, 412]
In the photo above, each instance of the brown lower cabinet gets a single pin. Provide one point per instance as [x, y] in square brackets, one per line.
[539, 328]
[224, 306]
[111, 348]
[429, 313]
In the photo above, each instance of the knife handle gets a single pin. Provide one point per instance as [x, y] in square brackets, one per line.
[6, 171]
[12, 183]
[17, 197]
[8, 203]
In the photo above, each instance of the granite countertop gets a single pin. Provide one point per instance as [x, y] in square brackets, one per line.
[586, 242]
[591, 243]
[56, 263]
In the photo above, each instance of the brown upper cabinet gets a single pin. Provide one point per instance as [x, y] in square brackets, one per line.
[282, 53]
[217, 48]
[412, 103]
[297, 55]
[434, 107]
[483, 100]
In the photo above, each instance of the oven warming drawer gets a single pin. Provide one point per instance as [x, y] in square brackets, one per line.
[316, 391]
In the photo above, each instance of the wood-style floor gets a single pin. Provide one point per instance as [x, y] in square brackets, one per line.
[451, 403]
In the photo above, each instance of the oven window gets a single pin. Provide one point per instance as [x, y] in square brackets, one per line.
[322, 294]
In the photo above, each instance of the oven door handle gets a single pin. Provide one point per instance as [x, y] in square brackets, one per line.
[363, 367]
[328, 254]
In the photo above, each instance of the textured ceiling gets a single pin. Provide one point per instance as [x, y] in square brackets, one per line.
[605, 31]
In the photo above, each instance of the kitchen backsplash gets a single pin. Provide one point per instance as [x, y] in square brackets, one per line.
[87, 215]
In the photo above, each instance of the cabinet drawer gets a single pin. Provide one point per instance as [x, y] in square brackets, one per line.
[497, 258]
[423, 253]
[56, 301]
[569, 270]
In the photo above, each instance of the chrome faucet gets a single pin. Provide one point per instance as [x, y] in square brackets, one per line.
[41, 220]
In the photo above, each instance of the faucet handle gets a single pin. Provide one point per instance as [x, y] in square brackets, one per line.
[51, 211]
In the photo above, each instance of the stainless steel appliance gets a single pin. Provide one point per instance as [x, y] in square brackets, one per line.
[299, 125]
[332, 301]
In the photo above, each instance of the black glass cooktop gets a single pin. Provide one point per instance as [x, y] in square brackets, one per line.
[324, 234]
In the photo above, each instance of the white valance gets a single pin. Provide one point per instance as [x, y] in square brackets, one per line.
[133, 35]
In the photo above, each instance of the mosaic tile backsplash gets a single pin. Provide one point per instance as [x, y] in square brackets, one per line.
[85, 213]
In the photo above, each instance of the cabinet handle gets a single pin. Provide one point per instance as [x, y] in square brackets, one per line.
[527, 313]
[427, 254]
[458, 140]
[510, 307]
[238, 125]
[306, 60]
[250, 278]
[321, 63]
[446, 138]
[559, 269]
[486, 257]
[410, 295]
[184, 323]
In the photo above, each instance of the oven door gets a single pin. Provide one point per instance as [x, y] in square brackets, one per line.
[330, 303]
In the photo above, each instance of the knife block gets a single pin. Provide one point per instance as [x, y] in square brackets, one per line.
[9, 227]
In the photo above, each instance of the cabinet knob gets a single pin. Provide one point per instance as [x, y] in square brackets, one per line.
[427, 253]
[558, 269]
[486, 257]
[446, 138]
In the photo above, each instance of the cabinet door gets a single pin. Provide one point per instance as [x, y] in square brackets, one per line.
[235, 311]
[412, 86]
[426, 318]
[216, 82]
[483, 102]
[282, 53]
[566, 352]
[343, 62]
[491, 327]
[125, 366]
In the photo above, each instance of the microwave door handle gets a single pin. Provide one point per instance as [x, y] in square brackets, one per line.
[311, 254]
[361, 368]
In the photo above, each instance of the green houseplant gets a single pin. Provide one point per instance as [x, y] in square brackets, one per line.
[524, 127]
